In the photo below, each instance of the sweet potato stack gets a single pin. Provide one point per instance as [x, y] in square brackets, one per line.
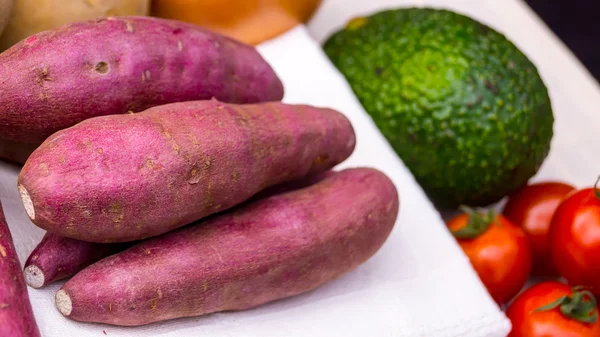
[171, 179]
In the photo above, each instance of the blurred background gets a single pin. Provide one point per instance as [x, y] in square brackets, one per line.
[576, 23]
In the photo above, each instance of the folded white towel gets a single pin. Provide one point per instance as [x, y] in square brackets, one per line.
[419, 284]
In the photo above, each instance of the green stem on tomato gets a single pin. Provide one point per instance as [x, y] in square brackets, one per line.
[580, 306]
[478, 223]
[596, 189]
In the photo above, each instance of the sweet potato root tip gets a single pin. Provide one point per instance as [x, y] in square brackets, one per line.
[34, 276]
[27, 202]
[63, 303]
[57, 257]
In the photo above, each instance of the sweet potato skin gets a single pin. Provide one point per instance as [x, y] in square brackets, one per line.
[270, 249]
[55, 79]
[56, 258]
[128, 177]
[16, 315]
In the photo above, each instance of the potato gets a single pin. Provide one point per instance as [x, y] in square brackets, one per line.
[16, 315]
[33, 16]
[55, 79]
[5, 10]
[270, 249]
[128, 177]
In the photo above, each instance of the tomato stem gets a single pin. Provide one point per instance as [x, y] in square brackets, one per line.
[478, 223]
[580, 306]
[596, 190]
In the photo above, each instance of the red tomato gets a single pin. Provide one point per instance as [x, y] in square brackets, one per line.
[498, 250]
[575, 238]
[553, 309]
[532, 208]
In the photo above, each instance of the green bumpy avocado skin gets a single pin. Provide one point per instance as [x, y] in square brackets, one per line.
[465, 110]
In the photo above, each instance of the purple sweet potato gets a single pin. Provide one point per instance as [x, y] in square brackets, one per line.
[16, 152]
[56, 258]
[16, 315]
[270, 249]
[129, 177]
[58, 78]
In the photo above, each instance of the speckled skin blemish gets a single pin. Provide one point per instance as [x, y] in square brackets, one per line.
[273, 248]
[171, 165]
[58, 78]
[16, 315]
[462, 106]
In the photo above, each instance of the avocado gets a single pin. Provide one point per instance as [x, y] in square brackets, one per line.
[465, 110]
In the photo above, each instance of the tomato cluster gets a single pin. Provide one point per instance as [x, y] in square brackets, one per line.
[546, 230]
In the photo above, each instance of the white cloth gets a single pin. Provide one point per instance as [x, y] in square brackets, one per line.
[419, 284]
